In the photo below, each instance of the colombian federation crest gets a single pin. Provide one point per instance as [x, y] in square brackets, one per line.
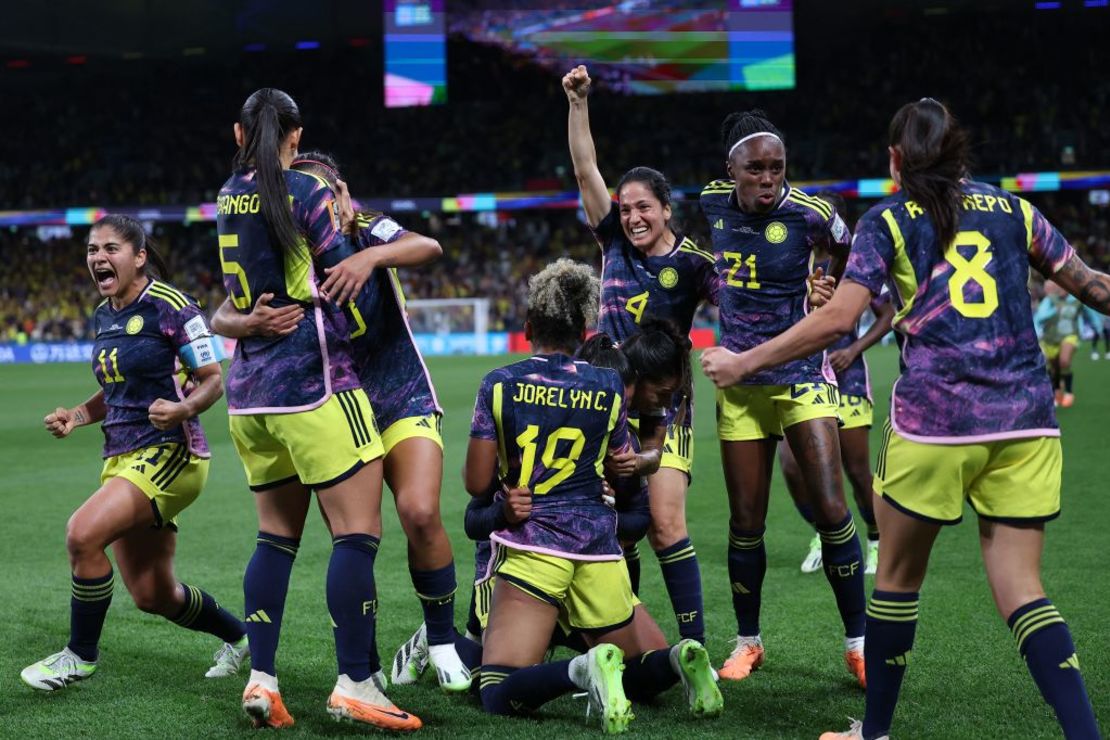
[775, 232]
[134, 325]
[668, 277]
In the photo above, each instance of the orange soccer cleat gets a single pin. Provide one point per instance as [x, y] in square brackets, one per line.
[746, 657]
[265, 707]
[361, 701]
[854, 660]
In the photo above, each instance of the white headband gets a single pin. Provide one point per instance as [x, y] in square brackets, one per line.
[749, 137]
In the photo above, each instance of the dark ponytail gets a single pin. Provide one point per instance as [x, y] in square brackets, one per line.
[600, 351]
[266, 119]
[934, 157]
[132, 232]
[660, 352]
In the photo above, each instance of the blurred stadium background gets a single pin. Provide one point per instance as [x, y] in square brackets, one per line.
[448, 115]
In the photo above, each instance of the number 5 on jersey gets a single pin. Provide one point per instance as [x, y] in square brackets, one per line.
[231, 267]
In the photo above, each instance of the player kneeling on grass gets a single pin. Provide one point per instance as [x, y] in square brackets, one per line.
[546, 424]
[155, 455]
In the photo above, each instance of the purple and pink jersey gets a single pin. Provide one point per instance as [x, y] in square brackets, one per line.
[972, 369]
[554, 419]
[136, 357]
[855, 380]
[390, 367]
[635, 286]
[300, 371]
[763, 260]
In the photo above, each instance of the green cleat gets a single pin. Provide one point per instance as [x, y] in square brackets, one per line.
[604, 683]
[690, 661]
[57, 671]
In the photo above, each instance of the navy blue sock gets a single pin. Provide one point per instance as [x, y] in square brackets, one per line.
[632, 562]
[807, 513]
[648, 675]
[1045, 642]
[891, 623]
[202, 614]
[747, 565]
[508, 690]
[88, 606]
[265, 584]
[470, 652]
[436, 591]
[352, 601]
[682, 577]
[867, 513]
[842, 558]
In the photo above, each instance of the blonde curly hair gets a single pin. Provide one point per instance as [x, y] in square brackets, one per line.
[563, 300]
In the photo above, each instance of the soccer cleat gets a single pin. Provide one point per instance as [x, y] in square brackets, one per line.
[1068, 400]
[872, 562]
[690, 661]
[1094, 355]
[57, 671]
[411, 659]
[361, 701]
[452, 675]
[746, 657]
[228, 659]
[265, 707]
[598, 673]
[812, 562]
[854, 660]
[380, 681]
[1059, 397]
[855, 732]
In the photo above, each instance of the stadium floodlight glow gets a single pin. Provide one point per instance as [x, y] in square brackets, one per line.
[1096, 3]
[255, 47]
[1047, 5]
[306, 45]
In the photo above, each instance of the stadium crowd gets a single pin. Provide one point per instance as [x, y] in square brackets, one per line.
[44, 283]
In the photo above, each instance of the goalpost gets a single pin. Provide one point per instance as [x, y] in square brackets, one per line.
[454, 326]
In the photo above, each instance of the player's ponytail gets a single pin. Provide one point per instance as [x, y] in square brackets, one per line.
[660, 353]
[266, 119]
[562, 302]
[132, 232]
[934, 153]
[600, 351]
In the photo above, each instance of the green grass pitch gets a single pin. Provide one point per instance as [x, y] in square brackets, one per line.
[966, 680]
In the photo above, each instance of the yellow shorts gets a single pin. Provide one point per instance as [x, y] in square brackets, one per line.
[412, 427]
[1052, 351]
[169, 475]
[749, 412]
[590, 594]
[678, 447]
[320, 447]
[1010, 480]
[855, 411]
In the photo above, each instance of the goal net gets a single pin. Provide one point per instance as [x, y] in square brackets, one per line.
[454, 326]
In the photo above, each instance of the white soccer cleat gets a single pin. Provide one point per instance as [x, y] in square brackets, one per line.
[812, 562]
[599, 673]
[1094, 355]
[228, 659]
[362, 702]
[381, 683]
[411, 659]
[57, 671]
[452, 674]
[872, 562]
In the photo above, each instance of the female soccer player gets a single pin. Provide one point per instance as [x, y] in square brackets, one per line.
[155, 455]
[971, 415]
[299, 419]
[853, 382]
[545, 425]
[648, 269]
[1057, 322]
[393, 375]
[765, 233]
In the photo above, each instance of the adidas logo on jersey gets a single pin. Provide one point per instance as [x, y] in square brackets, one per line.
[719, 223]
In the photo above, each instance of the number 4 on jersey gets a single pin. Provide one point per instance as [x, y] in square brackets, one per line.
[636, 305]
